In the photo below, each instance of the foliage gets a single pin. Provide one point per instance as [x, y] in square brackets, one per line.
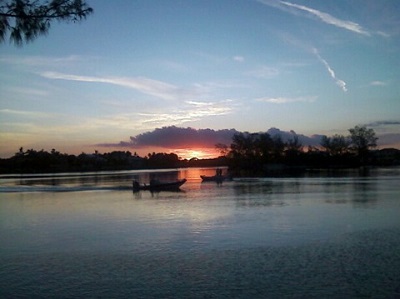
[260, 154]
[294, 144]
[353, 149]
[335, 145]
[32, 161]
[362, 139]
[162, 160]
[222, 148]
[246, 150]
[24, 20]
[251, 152]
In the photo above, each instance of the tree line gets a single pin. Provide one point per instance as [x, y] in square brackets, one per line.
[260, 153]
[248, 154]
[33, 161]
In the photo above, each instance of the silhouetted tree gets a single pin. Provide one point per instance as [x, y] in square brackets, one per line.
[251, 151]
[25, 20]
[335, 145]
[32, 161]
[242, 144]
[162, 160]
[362, 139]
[293, 151]
[222, 148]
[21, 152]
[265, 147]
[294, 144]
[243, 151]
[278, 147]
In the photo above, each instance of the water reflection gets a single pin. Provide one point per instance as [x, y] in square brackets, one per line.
[356, 190]
[254, 194]
[78, 179]
[84, 181]
[267, 237]
[163, 194]
[267, 192]
[364, 193]
[334, 187]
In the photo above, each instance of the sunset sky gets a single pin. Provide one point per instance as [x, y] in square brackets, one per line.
[315, 67]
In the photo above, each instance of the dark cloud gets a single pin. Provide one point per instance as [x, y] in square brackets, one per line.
[386, 132]
[119, 144]
[175, 137]
[389, 139]
[383, 123]
[313, 140]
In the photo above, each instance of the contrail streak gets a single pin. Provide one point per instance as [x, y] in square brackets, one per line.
[331, 72]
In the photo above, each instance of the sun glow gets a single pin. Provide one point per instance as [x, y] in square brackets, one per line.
[199, 153]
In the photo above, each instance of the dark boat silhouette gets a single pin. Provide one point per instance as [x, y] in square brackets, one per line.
[218, 177]
[156, 185]
[215, 178]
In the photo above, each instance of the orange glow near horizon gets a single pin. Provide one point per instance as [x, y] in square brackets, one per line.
[199, 153]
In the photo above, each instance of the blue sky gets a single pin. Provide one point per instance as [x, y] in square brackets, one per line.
[315, 67]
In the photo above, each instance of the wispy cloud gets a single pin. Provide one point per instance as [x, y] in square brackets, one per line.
[187, 112]
[383, 34]
[207, 88]
[292, 40]
[238, 58]
[173, 66]
[378, 83]
[331, 72]
[283, 100]
[211, 108]
[33, 114]
[148, 86]
[37, 123]
[27, 91]
[323, 16]
[41, 60]
[263, 72]
[383, 123]
[192, 111]
[327, 18]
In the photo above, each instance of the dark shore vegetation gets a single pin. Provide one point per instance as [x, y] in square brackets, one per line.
[254, 154]
[250, 154]
[32, 161]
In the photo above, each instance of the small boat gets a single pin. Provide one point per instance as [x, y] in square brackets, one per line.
[215, 178]
[155, 186]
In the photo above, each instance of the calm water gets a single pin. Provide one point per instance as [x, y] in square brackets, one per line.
[323, 235]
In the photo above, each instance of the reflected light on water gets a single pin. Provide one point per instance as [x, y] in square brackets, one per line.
[309, 236]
